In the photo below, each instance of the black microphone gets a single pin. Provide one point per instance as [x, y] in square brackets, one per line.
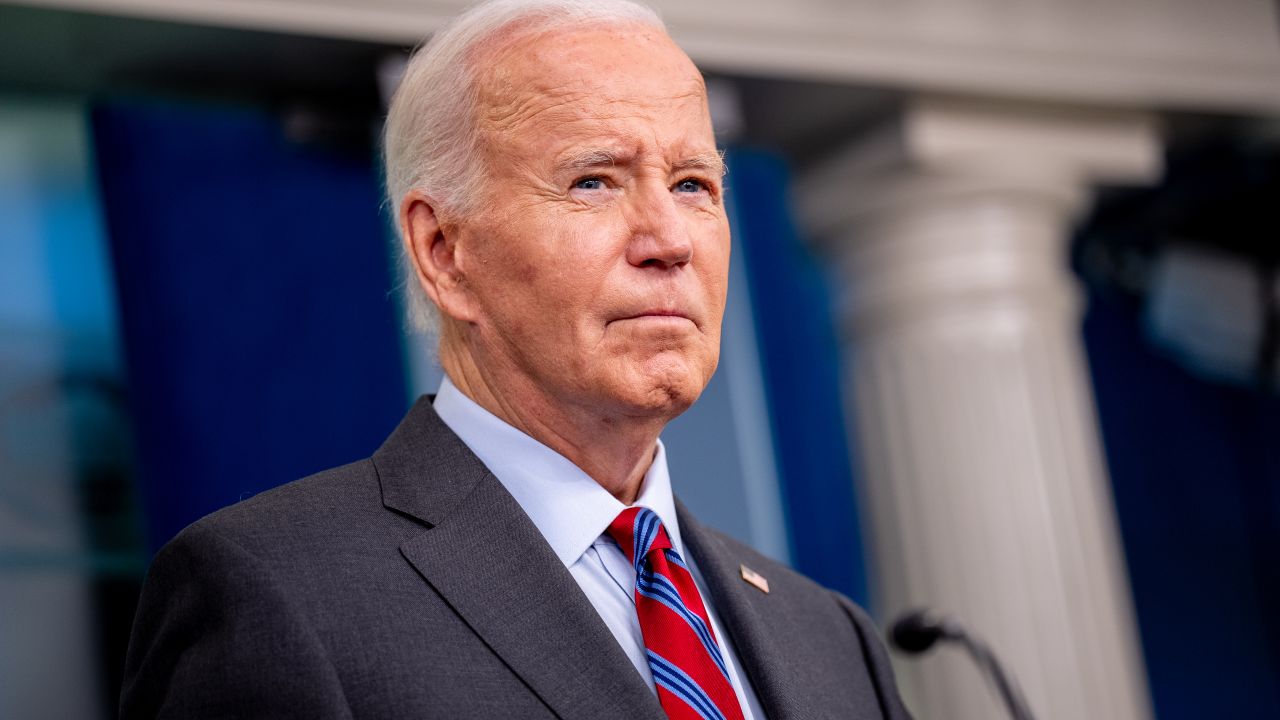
[915, 632]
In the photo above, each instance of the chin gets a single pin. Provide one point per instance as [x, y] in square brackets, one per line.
[669, 400]
[665, 391]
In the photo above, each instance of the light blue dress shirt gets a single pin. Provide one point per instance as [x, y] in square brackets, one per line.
[572, 512]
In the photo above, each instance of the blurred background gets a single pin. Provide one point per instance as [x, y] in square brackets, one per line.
[1002, 339]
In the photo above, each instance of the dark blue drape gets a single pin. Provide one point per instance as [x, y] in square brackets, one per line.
[261, 339]
[800, 360]
[1196, 471]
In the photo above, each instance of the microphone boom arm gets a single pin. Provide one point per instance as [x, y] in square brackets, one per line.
[917, 631]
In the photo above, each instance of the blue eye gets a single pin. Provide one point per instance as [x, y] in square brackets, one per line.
[589, 183]
[689, 185]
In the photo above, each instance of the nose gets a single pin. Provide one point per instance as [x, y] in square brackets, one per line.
[659, 234]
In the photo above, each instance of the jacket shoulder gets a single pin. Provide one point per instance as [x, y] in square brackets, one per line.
[296, 512]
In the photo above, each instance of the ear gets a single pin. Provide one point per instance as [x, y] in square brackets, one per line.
[433, 249]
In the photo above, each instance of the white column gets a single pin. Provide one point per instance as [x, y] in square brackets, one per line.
[984, 484]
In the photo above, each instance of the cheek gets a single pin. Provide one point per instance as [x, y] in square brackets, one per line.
[527, 274]
[510, 256]
[584, 258]
[715, 271]
[561, 278]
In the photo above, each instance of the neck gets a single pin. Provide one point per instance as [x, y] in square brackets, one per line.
[614, 449]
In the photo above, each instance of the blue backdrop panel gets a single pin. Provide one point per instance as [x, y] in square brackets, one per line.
[800, 360]
[261, 340]
[1196, 472]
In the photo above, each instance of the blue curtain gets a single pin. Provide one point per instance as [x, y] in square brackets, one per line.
[1195, 467]
[800, 360]
[261, 338]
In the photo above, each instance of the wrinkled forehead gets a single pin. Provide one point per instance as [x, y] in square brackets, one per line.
[569, 70]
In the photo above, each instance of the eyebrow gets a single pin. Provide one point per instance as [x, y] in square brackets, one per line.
[711, 162]
[586, 159]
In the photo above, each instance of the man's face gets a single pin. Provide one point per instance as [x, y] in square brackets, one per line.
[599, 264]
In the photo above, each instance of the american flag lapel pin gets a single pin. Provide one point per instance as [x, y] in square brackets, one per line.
[754, 579]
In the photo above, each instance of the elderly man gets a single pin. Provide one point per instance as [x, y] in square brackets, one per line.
[513, 550]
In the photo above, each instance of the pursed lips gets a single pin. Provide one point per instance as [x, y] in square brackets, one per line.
[656, 314]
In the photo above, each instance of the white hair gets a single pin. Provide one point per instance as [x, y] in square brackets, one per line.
[431, 141]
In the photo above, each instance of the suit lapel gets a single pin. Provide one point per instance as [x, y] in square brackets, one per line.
[485, 557]
[744, 613]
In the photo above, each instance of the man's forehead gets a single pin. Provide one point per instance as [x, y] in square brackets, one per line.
[568, 64]
[596, 95]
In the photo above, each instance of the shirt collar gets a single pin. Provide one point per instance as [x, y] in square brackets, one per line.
[569, 508]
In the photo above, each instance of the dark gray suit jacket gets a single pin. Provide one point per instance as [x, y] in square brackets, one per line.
[412, 585]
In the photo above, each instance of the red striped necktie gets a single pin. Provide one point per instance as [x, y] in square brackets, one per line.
[688, 666]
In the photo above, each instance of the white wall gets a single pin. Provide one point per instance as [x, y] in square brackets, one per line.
[1205, 54]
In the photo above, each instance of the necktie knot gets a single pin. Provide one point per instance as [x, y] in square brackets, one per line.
[639, 532]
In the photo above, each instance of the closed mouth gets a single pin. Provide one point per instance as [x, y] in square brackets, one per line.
[655, 314]
[658, 315]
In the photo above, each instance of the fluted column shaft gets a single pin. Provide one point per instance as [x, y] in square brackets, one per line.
[984, 485]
